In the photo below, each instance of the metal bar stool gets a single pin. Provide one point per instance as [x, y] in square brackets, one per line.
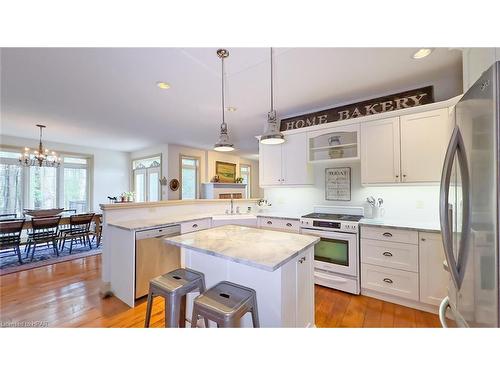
[173, 287]
[225, 304]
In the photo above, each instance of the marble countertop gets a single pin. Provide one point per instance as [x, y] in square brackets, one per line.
[403, 224]
[149, 223]
[260, 248]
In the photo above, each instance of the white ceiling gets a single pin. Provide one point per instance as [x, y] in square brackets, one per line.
[107, 97]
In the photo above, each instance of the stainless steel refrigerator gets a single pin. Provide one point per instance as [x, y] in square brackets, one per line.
[469, 207]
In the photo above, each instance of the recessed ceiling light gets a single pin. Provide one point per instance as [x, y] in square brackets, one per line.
[231, 109]
[422, 52]
[163, 85]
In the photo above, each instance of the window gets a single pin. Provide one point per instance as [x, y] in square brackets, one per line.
[75, 184]
[42, 192]
[44, 187]
[189, 177]
[245, 174]
[146, 178]
[11, 183]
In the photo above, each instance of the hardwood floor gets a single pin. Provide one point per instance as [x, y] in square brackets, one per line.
[67, 295]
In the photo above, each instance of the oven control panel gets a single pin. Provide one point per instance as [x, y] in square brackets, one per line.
[341, 226]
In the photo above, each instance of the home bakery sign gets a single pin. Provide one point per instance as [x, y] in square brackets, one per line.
[407, 99]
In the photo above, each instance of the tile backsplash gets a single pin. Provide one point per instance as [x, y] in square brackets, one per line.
[408, 202]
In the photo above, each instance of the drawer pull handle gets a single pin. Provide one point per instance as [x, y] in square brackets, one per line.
[387, 234]
[387, 254]
[388, 281]
[288, 224]
[269, 222]
[195, 225]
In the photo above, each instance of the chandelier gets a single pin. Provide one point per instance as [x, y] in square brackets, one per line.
[41, 157]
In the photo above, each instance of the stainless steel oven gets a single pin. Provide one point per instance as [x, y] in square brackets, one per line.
[336, 255]
[336, 251]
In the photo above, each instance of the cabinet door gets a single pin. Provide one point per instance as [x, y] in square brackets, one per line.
[270, 165]
[475, 62]
[296, 169]
[305, 289]
[433, 278]
[424, 139]
[380, 153]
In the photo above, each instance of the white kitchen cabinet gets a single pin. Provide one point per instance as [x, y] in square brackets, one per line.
[424, 140]
[285, 164]
[405, 149]
[270, 165]
[390, 281]
[380, 151]
[475, 61]
[433, 277]
[287, 225]
[194, 225]
[305, 290]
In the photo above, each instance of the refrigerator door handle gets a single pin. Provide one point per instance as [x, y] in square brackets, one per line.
[444, 207]
[456, 266]
[443, 306]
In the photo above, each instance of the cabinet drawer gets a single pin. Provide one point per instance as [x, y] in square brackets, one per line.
[391, 281]
[288, 225]
[193, 226]
[390, 254]
[390, 234]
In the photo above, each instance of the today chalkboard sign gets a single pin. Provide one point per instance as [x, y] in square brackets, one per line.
[338, 184]
[406, 99]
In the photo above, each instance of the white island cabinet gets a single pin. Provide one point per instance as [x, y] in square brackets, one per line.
[277, 265]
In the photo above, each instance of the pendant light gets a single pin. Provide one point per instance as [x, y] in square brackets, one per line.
[272, 136]
[223, 144]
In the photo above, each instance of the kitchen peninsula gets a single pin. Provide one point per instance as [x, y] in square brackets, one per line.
[277, 265]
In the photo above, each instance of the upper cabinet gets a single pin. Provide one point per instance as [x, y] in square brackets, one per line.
[475, 61]
[424, 139]
[337, 144]
[405, 149]
[380, 151]
[285, 164]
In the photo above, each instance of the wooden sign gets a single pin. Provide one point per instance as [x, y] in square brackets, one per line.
[338, 184]
[407, 99]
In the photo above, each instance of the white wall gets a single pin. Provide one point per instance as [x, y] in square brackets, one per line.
[418, 203]
[111, 168]
[171, 165]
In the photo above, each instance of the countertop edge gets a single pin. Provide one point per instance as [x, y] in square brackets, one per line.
[117, 225]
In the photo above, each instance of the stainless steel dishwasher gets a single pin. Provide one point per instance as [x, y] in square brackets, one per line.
[153, 256]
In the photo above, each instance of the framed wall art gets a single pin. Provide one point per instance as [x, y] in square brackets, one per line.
[338, 184]
[225, 171]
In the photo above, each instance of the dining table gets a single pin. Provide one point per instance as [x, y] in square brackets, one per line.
[65, 220]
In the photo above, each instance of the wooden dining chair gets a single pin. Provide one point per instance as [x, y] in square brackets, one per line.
[10, 236]
[44, 230]
[79, 229]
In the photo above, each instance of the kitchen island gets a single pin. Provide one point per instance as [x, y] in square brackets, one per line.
[279, 266]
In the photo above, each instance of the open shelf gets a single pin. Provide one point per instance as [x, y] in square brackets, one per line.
[334, 145]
